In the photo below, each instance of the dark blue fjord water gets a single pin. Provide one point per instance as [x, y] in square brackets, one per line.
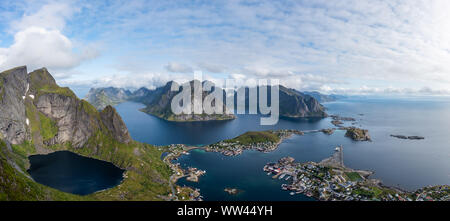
[72, 173]
[408, 164]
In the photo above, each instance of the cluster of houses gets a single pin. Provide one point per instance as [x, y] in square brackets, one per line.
[433, 193]
[236, 148]
[174, 151]
[330, 184]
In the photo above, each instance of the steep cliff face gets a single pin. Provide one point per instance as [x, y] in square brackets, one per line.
[296, 104]
[13, 90]
[160, 104]
[292, 103]
[76, 119]
[112, 120]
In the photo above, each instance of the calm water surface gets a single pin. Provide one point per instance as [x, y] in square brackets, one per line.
[408, 164]
[72, 173]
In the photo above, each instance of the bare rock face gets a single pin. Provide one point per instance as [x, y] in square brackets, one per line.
[74, 124]
[13, 87]
[295, 104]
[112, 120]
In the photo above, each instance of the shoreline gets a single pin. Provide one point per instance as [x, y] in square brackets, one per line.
[330, 180]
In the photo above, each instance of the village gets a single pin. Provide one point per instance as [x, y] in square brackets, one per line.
[329, 180]
[191, 174]
[263, 141]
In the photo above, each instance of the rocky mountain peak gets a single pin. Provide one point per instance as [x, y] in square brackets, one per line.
[112, 120]
[13, 89]
[41, 77]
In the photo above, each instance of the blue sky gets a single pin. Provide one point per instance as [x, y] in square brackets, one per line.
[345, 46]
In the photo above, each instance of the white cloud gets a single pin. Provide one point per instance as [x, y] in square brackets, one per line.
[178, 68]
[211, 67]
[135, 81]
[39, 41]
[50, 16]
[38, 47]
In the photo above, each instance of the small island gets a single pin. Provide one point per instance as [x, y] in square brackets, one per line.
[403, 137]
[232, 191]
[328, 131]
[357, 134]
[194, 174]
[264, 141]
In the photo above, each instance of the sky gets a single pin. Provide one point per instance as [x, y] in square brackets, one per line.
[394, 47]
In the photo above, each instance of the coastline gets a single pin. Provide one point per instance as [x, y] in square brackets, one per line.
[330, 180]
[229, 118]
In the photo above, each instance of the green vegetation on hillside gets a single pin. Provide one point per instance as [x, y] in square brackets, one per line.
[43, 83]
[255, 137]
[353, 176]
[48, 127]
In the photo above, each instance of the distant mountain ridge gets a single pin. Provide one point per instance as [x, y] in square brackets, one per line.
[322, 98]
[102, 97]
[293, 103]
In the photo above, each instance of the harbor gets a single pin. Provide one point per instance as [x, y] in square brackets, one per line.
[330, 180]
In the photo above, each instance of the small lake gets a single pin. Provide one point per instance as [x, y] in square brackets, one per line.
[72, 173]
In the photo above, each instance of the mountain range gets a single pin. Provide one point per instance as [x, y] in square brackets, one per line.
[322, 98]
[293, 103]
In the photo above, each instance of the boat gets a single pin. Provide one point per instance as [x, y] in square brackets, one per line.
[287, 178]
[268, 173]
[291, 193]
[282, 176]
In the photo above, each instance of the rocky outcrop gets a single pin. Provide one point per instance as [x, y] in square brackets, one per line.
[13, 89]
[329, 131]
[112, 120]
[357, 134]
